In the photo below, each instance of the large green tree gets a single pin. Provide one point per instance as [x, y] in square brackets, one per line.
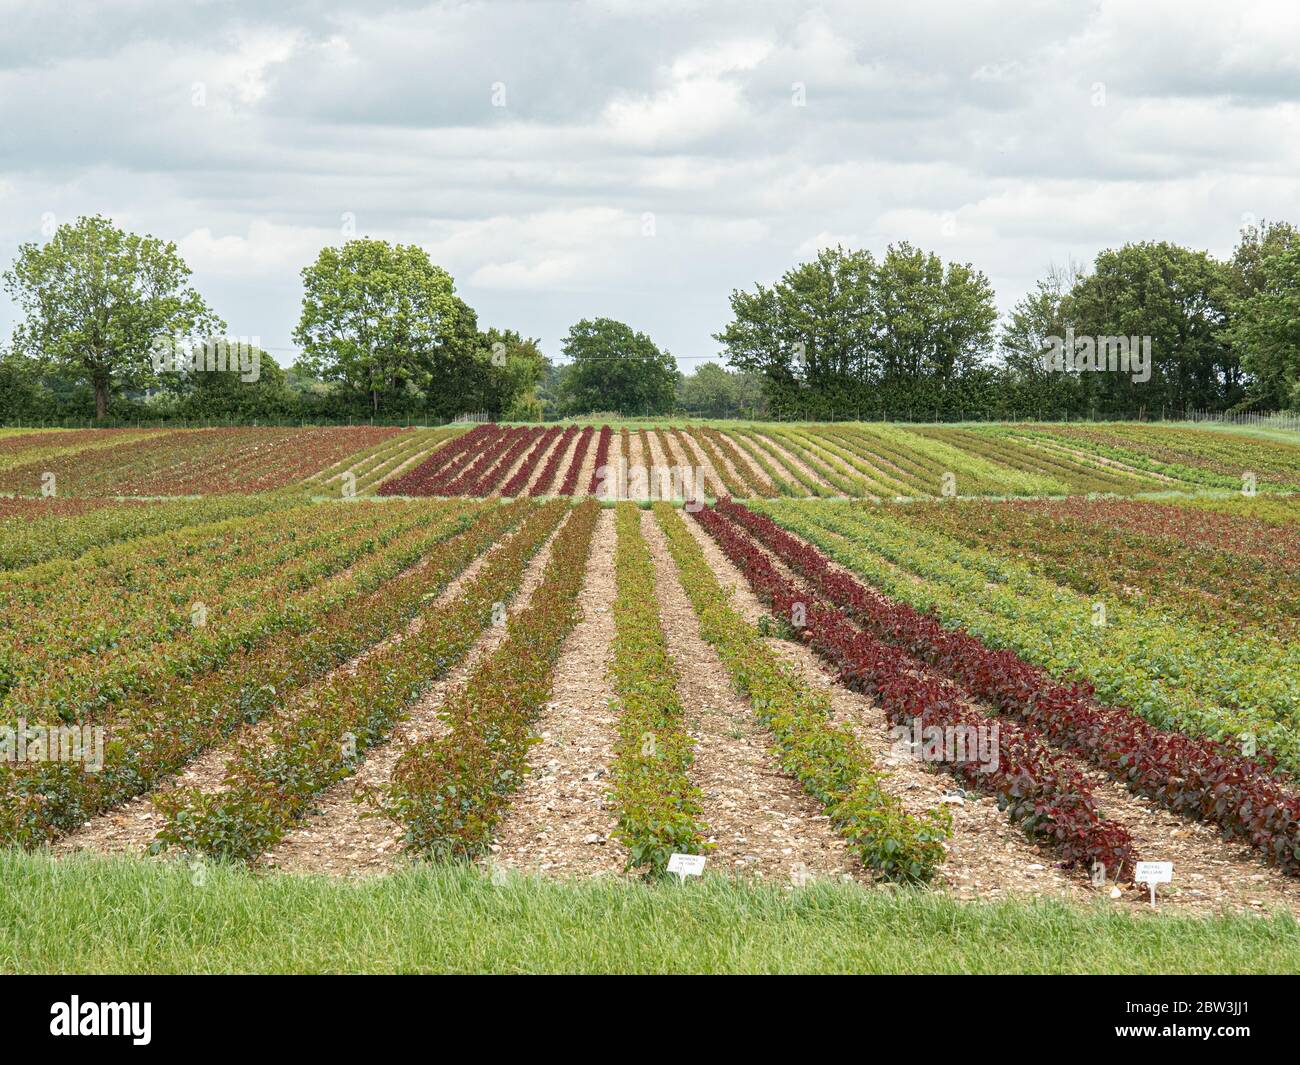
[1265, 326]
[1180, 299]
[379, 318]
[848, 329]
[716, 392]
[612, 367]
[96, 300]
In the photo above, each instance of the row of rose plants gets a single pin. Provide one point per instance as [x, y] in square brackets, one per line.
[826, 759]
[196, 462]
[570, 485]
[86, 633]
[730, 483]
[1065, 473]
[1194, 777]
[1038, 789]
[600, 470]
[658, 807]
[320, 737]
[546, 479]
[1179, 574]
[431, 476]
[1177, 675]
[768, 464]
[485, 463]
[449, 792]
[42, 530]
[518, 481]
[154, 736]
[753, 484]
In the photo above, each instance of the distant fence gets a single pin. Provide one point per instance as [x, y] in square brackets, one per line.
[1272, 420]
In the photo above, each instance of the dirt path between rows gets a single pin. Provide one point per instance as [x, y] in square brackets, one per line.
[1211, 874]
[561, 820]
[762, 822]
[132, 827]
[339, 839]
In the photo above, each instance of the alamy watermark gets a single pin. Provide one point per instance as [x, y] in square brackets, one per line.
[1131, 355]
[620, 480]
[241, 355]
[948, 744]
[53, 743]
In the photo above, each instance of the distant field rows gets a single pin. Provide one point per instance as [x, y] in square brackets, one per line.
[743, 461]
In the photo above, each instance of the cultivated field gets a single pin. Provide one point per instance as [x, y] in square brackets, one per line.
[986, 663]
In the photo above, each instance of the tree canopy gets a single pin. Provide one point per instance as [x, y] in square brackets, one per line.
[97, 300]
[612, 367]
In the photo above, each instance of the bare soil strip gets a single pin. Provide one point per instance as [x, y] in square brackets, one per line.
[340, 839]
[1211, 874]
[133, 826]
[561, 820]
[762, 822]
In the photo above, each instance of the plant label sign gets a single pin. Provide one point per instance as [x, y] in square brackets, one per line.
[1153, 873]
[685, 865]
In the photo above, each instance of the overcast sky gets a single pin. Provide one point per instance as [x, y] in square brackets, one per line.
[641, 160]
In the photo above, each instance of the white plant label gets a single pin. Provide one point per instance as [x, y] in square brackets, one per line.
[685, 865]
[1153, 873]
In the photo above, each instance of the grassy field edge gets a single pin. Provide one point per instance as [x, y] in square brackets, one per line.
[128, 915]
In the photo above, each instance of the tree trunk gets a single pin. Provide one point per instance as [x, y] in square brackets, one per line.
[101, 399]
[374, 401]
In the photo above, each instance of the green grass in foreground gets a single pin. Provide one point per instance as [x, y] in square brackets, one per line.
[125, 915]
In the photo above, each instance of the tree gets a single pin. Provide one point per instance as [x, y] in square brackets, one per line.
[96, 300]
[614, 368]
[260, 395]
[847, 331]
[1180, 299]
[379, 318]
[716, 392]
[1265, 326]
